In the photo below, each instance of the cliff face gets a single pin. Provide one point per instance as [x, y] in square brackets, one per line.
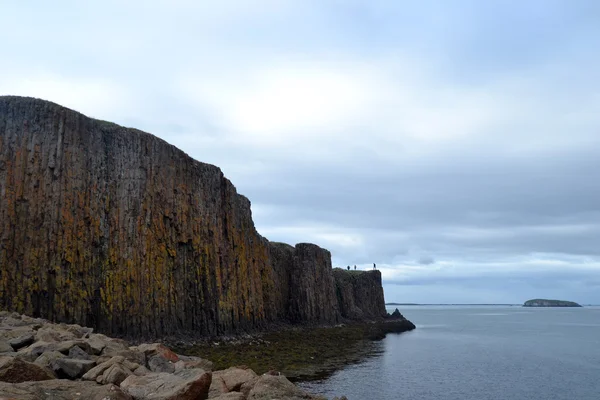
[304, 273]
[359, 294]
[114, 228]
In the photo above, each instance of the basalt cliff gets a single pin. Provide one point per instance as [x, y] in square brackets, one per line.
[113, 228]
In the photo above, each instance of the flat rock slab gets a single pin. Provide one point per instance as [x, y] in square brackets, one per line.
[14, 370]
[189, 384]
[60, 389]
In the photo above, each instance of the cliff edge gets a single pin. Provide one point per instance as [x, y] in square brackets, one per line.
[114, 228]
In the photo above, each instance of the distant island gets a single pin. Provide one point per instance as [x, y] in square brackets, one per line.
[550, 303]
[451, 304]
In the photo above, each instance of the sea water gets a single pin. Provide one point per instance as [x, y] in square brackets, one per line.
[477, 353]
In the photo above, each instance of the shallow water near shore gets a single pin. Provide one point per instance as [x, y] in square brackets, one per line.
[479, 352]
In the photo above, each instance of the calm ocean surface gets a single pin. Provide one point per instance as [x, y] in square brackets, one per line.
[480, 352]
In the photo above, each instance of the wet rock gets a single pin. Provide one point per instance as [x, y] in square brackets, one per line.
[189, 384]
[157, 363]
[15, 370]
[21, 341]
[59, 389]
[71, 369]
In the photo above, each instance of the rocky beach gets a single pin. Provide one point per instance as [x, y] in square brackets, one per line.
[43, 360]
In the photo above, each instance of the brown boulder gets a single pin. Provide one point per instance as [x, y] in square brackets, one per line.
[189, 384]
[15, 370]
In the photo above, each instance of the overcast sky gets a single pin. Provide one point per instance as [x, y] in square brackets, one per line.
[454, 143]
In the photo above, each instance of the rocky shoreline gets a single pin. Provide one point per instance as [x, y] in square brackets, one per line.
[300, 352]
[43, 360]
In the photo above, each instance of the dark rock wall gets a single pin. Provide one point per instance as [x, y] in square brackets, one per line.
[114, 228]
[359, 294]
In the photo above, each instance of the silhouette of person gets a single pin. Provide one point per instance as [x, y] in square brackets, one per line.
[348, 268]
[355, 267]
[374, 266]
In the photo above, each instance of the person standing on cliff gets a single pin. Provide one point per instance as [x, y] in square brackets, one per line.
[374, 266]
[355, 267]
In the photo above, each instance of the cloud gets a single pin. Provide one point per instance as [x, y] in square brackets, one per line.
[455, 145]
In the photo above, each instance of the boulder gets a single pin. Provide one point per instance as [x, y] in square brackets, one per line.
[59, 389]
[158, 348]
[21, 341]
[269, 387]
[75, 352]
[97, 343]
[53, 333]
[189, 384]
[99, 369]
[132, 355]
[5, 347]
[230, 380]
[70, 368]
[15, 370]
[157, 363]
[46, 359]
[141, 370]
[115, 374]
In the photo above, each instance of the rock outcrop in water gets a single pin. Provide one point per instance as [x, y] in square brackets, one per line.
[114, 228]
[550, 303]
